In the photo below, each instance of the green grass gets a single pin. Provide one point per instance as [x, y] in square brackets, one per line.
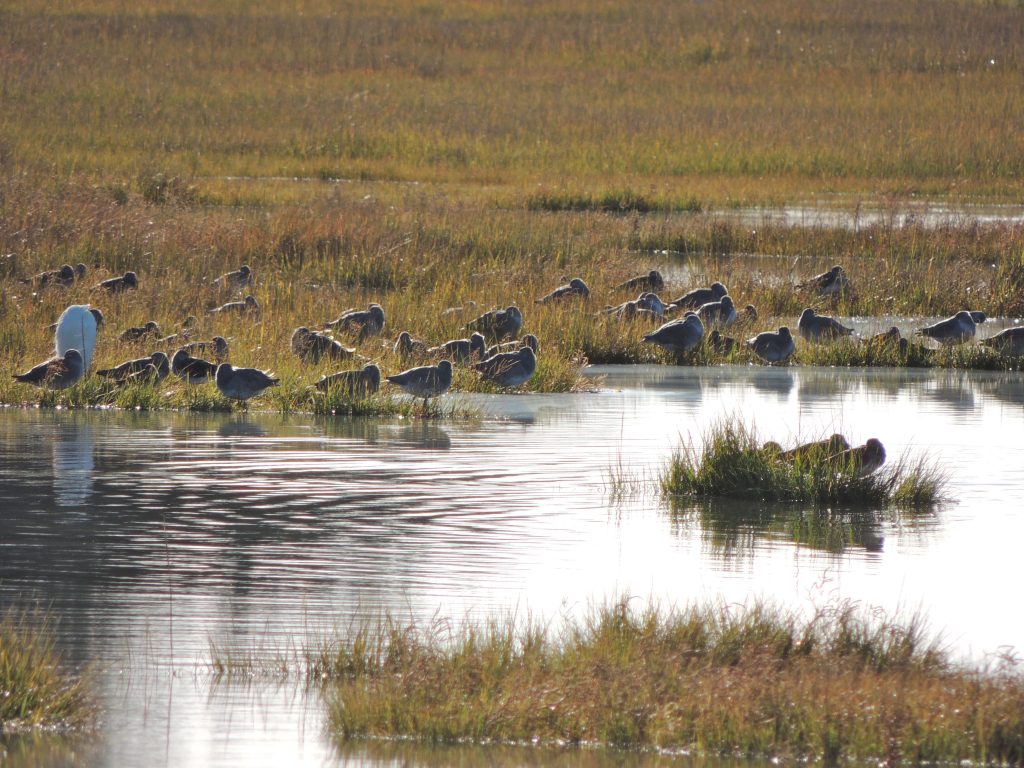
[35, 690]
[732, 462]
[758, 680]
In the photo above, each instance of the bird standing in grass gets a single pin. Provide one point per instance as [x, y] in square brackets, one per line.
[139, 332]
[461, 350]
[406, 346]
[56, 373]
[862, 460]
[815, 327]
[700, 296]
[529, 340]
[575, 288]
[773, 347]
[360, 382]
[831, 283]
[247, 307]
[679, 335]
[237, 280]
[312, 347]
[193, 370]
[62, 277]
[499, 324]
[367, 322]
[157, 359]
[652, 281]
[509, 369]
[718, 314]
[426, 381]
[243, 383]
[953, 330]
[1008, 342]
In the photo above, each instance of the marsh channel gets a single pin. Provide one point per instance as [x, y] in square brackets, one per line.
[147, 536]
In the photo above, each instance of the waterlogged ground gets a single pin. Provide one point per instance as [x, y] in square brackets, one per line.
[149, 535]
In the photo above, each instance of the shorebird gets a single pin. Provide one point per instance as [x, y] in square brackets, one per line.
[248, 306]
[157, 359]
[217, 346]
[862, 460]
[137, 333]
[680, 335]
[718, 314]
[368, 322]
[1008, 342]
[831, 283]
[426, 381]
[648, 305]
[148, 375]
[80, 270]
[461, 350]
[465, 309]
[121, 284]
[237, 280]
[499, 323]
[953, 330]
[361, 382]
[652, 281]
[815, 327]
[818, 449]
[312, 347]
[509, 369]
[62, 277]
[193, 370]
[76, 329]
[696, 298]
[56, 373]
[242, 383]
[576, 288]
[886, 338]
[773, 347]
[406, 346]
[529, 340]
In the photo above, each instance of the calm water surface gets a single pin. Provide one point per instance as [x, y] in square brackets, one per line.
[148, 535]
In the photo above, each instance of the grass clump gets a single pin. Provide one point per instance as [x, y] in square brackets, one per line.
[753, 681]
[35, 692]
[732, 462]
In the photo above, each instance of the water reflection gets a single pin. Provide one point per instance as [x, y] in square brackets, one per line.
[148, 534]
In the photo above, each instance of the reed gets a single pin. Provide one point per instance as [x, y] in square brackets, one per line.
[732, 462]
[38, 692]
[712, 679]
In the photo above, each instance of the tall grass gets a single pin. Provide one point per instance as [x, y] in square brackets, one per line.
[752, 681]
[35, 690]
[732, 462]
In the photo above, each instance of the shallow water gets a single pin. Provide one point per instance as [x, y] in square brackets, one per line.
[149, 535]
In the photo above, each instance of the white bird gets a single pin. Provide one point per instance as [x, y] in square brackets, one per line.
[76, 329]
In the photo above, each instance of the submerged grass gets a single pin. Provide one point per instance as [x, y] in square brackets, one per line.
[35, 691]
[755, 680]
[732, 462]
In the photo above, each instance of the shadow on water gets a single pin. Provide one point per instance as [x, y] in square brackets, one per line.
[733, 528]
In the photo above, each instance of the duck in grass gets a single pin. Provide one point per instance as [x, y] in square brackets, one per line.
[249, 306]
[236, 280]
[139, 332]
[499, 324]
[311, 346]
[193, 370]
[57, 372]
[126, 282]
[243, 383]
[815, 327]
[508, 369]
[699, 297]
[365, 322]
[461, 350]
[652, 281]
[831, 283]
[862, 460]
[678, 336]
[426, 381]
[773, 347]
[158, 360]
[957, 329]
[575, 288]
[1009, 342]
[360, 382]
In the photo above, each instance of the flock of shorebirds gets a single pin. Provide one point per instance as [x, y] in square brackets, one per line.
[509, 362]
[707, 312]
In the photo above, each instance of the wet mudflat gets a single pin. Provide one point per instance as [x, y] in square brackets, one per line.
[148, 535]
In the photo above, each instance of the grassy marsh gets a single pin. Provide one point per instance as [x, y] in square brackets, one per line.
[754, 680]
[733, 462]
[36, 691]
